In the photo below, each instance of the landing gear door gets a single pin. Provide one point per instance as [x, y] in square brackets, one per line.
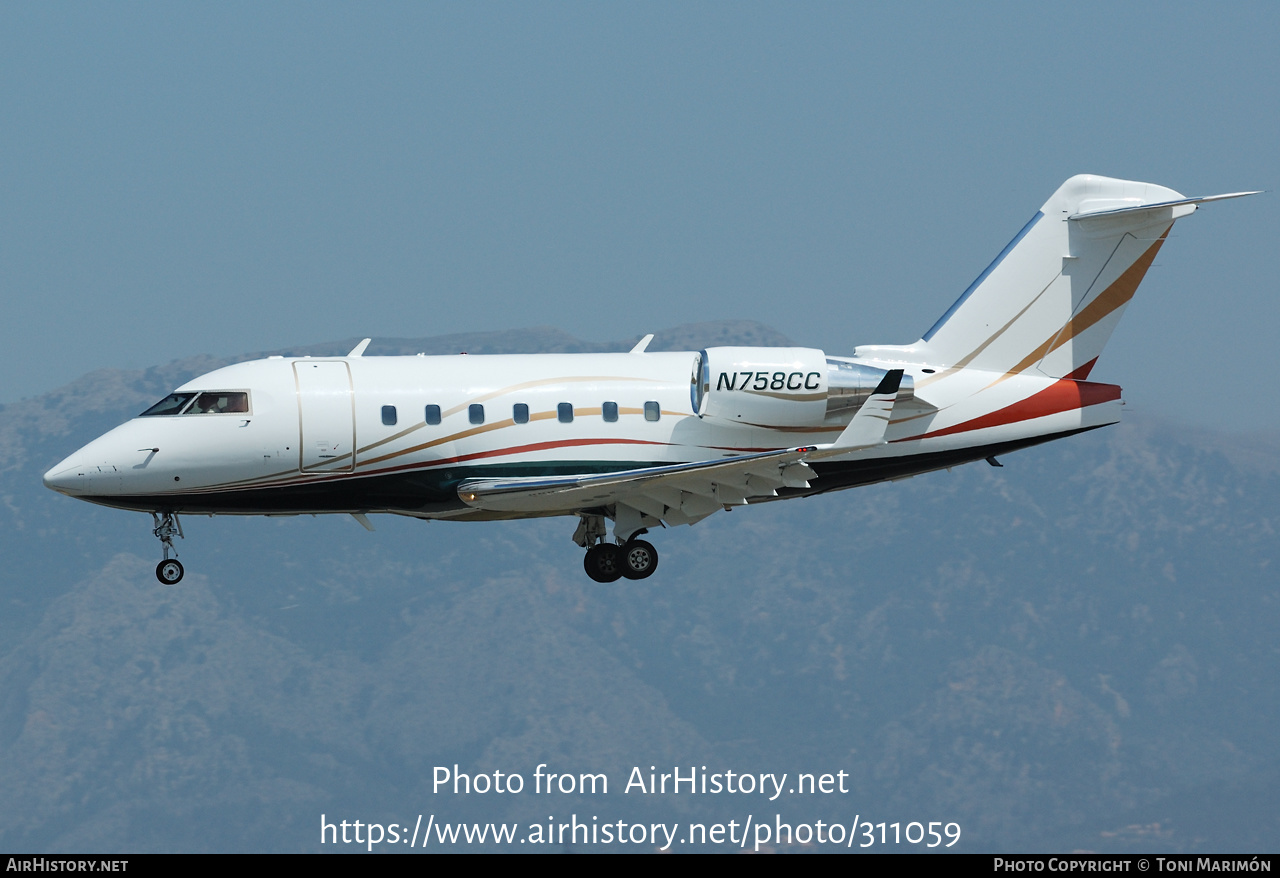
[326, 416]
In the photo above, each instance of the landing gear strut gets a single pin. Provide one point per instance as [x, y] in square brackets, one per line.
[169, 571]
[609, 562]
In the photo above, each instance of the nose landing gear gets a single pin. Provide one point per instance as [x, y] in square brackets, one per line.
[170, 571]
[167, 526]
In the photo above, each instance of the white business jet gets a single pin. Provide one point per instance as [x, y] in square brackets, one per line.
[650, 439]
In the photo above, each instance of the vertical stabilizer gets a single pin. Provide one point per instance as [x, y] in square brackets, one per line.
[1050, 300]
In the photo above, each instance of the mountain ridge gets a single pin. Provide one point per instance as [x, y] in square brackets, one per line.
[1073, 652]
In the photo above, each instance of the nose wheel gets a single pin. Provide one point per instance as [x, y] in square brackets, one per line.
[169, 571]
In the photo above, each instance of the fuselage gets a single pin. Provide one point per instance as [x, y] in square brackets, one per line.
[398, 434]
[642, 439]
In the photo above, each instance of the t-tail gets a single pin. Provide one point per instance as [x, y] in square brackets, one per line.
[1048, 303]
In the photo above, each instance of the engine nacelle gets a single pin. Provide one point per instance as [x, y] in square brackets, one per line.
[764, 387]
[782, 387]
[850, 384]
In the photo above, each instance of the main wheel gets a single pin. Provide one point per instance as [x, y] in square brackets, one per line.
[169, 572]
[639, 559]
[604, 562]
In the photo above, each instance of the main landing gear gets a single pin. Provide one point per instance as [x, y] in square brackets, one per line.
[169, 571]
[609, 562]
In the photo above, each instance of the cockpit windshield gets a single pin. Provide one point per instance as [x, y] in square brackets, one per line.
[172, 404]
[210, 402]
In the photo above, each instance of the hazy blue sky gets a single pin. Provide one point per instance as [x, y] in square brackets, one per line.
[219, 178]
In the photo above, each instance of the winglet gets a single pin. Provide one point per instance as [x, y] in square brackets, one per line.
[642, 344]
[872, 420]
[358, 350]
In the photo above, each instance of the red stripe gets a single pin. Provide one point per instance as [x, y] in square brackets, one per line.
[1063, 395]
[422, 465]
[1083, 372]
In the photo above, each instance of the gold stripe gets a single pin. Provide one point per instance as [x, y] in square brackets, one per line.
[967, 359]
[789, 397]
[475, 431]
[1106, 303]
[508, 422]
[1113, 297]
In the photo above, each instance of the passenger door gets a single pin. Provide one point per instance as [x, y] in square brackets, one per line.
[326, 416]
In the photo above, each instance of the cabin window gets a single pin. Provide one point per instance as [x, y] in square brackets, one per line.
[609, 411]
[652, 411]
[475, 412]
[433, 414]
[388, 416]
[564, 412]
[520, 413]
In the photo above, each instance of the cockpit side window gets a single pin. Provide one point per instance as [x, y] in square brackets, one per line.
[172, 404]
[220, 402]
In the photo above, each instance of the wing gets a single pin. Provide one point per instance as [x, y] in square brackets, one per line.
[684, 493]
[696, 489]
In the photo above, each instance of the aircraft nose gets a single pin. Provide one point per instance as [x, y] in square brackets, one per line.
[62, 479]
[71, 479]
[85, 473]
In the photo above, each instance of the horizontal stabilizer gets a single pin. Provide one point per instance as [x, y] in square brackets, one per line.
[1163, 205]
